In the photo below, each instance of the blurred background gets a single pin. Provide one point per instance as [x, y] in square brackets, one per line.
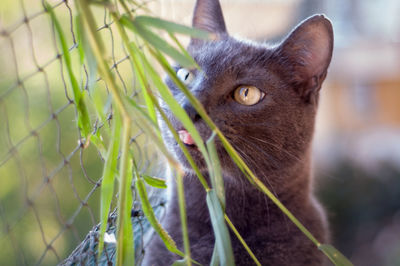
[49, 183]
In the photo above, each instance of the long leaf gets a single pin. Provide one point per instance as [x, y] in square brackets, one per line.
[171, 27]
[157, 42]
[149, 213]
[108, 177]
[222, 238]
[82, 113]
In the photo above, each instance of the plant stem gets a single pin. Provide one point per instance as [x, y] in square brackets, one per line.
[233, 228]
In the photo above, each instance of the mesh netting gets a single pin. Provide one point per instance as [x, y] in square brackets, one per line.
[49, 192]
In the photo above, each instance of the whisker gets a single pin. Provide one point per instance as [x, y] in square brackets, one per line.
[269, 156]
[252, 161]
[277, 147]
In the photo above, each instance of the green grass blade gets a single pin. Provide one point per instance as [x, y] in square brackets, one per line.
[172, 27]
[156, 41]
[222, 238]
[149, 213]
[107, 183]
[215, 173]
[334, 255]
[154, 181]
[82, 113]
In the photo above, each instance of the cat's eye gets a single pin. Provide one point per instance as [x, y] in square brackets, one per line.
[248, 95]
[185, 75]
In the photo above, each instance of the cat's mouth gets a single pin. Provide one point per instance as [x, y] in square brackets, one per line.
[186, 138]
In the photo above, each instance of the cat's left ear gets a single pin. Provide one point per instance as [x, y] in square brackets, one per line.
[307, 53]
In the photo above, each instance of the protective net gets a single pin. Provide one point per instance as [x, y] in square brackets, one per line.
[50, 180]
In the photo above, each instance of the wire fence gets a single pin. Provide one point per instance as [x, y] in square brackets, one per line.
[49, 192]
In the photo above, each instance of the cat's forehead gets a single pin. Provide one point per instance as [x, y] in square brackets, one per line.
[230, 54]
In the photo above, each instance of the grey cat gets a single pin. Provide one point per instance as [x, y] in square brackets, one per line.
[264, 99]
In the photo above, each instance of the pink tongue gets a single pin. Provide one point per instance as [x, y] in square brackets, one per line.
[185, 137]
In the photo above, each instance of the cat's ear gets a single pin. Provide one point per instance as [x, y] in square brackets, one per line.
[307, 52]
[208, 16]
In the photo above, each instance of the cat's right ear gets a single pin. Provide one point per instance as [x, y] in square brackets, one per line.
[208, 16]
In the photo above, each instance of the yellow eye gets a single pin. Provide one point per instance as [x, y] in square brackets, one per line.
[248, 95]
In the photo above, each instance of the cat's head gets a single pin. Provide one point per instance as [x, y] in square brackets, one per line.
[263, 98]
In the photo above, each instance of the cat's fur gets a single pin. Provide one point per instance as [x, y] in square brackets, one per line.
[273, 137]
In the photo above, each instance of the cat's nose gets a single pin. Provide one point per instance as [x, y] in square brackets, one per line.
[193, 115]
